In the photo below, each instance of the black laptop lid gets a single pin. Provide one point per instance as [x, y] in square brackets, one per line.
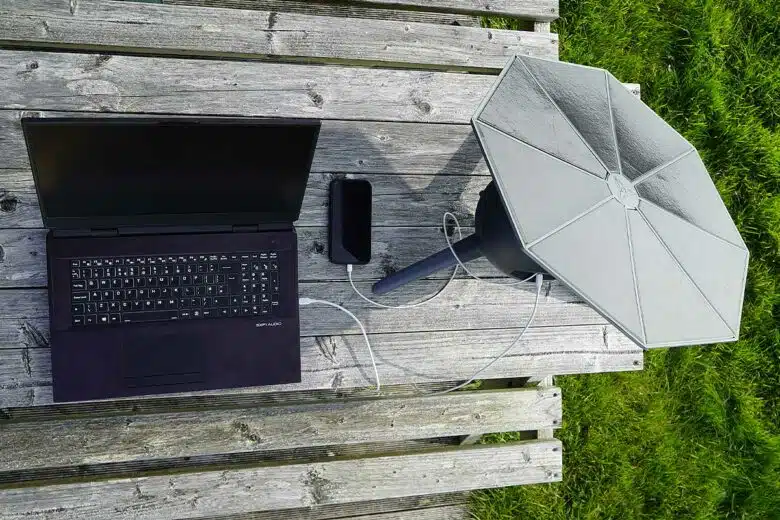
[114, 172]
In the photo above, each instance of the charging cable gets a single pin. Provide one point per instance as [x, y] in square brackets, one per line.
[310, 301]
[457, 258]
[537, 276]
[539, 279]
[449, 281]
[410, 305]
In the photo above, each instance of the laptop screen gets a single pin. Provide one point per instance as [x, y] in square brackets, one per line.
[137, 171]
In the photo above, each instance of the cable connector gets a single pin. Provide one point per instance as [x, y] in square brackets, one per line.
[305, 301]
[539, 279]
[349, 268]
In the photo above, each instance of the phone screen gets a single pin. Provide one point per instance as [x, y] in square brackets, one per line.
[350, 221]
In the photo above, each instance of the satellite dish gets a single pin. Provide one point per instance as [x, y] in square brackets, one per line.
[601, 193]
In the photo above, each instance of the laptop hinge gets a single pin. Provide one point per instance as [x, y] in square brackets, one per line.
[79, 233]
[104, 232]
[246, 228]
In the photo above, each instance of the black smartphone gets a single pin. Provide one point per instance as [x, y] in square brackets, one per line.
[350, 221]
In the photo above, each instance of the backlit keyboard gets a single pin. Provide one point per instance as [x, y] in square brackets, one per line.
[132, 289]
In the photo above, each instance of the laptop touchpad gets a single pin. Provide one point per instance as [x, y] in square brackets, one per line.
[162, 359]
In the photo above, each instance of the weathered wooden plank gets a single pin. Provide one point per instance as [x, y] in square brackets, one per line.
[342, 362]
[546, 433]
[467, 304]
[343, 10]
[24, 259]
[398, 200]
[138, 437]
[408, 506]
[531, 9]
[155, 29]
[234, 491]
[102, 83]
[101, 470]
[343, 146]
[433, 513]
[542, 27]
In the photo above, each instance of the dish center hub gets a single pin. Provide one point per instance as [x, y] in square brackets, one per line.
[623, 190]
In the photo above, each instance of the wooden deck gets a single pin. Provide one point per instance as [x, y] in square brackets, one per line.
[395, 83]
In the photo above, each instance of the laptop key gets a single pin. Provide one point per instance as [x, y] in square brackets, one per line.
[114, 318]
[91, 319]
[78, 285]
[78, 320]
[103, 319]
[80, 297]
[135, 317]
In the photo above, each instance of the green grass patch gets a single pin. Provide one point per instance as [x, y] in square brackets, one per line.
[697, 433]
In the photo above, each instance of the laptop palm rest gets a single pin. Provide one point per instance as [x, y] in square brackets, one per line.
[156, 358]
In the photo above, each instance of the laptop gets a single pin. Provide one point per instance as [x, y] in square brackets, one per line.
[172, 256]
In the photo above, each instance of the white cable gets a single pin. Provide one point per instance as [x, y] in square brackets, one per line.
[457, 258]
[405, 306]
[309, 301]
[452, 276]
[408, 305]
[539, 280]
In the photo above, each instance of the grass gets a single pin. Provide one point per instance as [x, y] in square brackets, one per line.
[697, 433]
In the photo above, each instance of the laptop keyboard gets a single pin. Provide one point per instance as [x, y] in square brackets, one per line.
[134, 289]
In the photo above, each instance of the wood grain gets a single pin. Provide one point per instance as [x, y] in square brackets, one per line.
[532, 9]
[339, 9]
[61, 442]
[235, 491]
[156, 29]
[340, 361]
[34, 80]
[433, 513]
[406, 507]
[308, 454]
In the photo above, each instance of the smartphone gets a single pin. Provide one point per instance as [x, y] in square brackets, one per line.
[349, 231]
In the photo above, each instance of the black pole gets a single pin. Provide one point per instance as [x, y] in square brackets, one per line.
[467, 249]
